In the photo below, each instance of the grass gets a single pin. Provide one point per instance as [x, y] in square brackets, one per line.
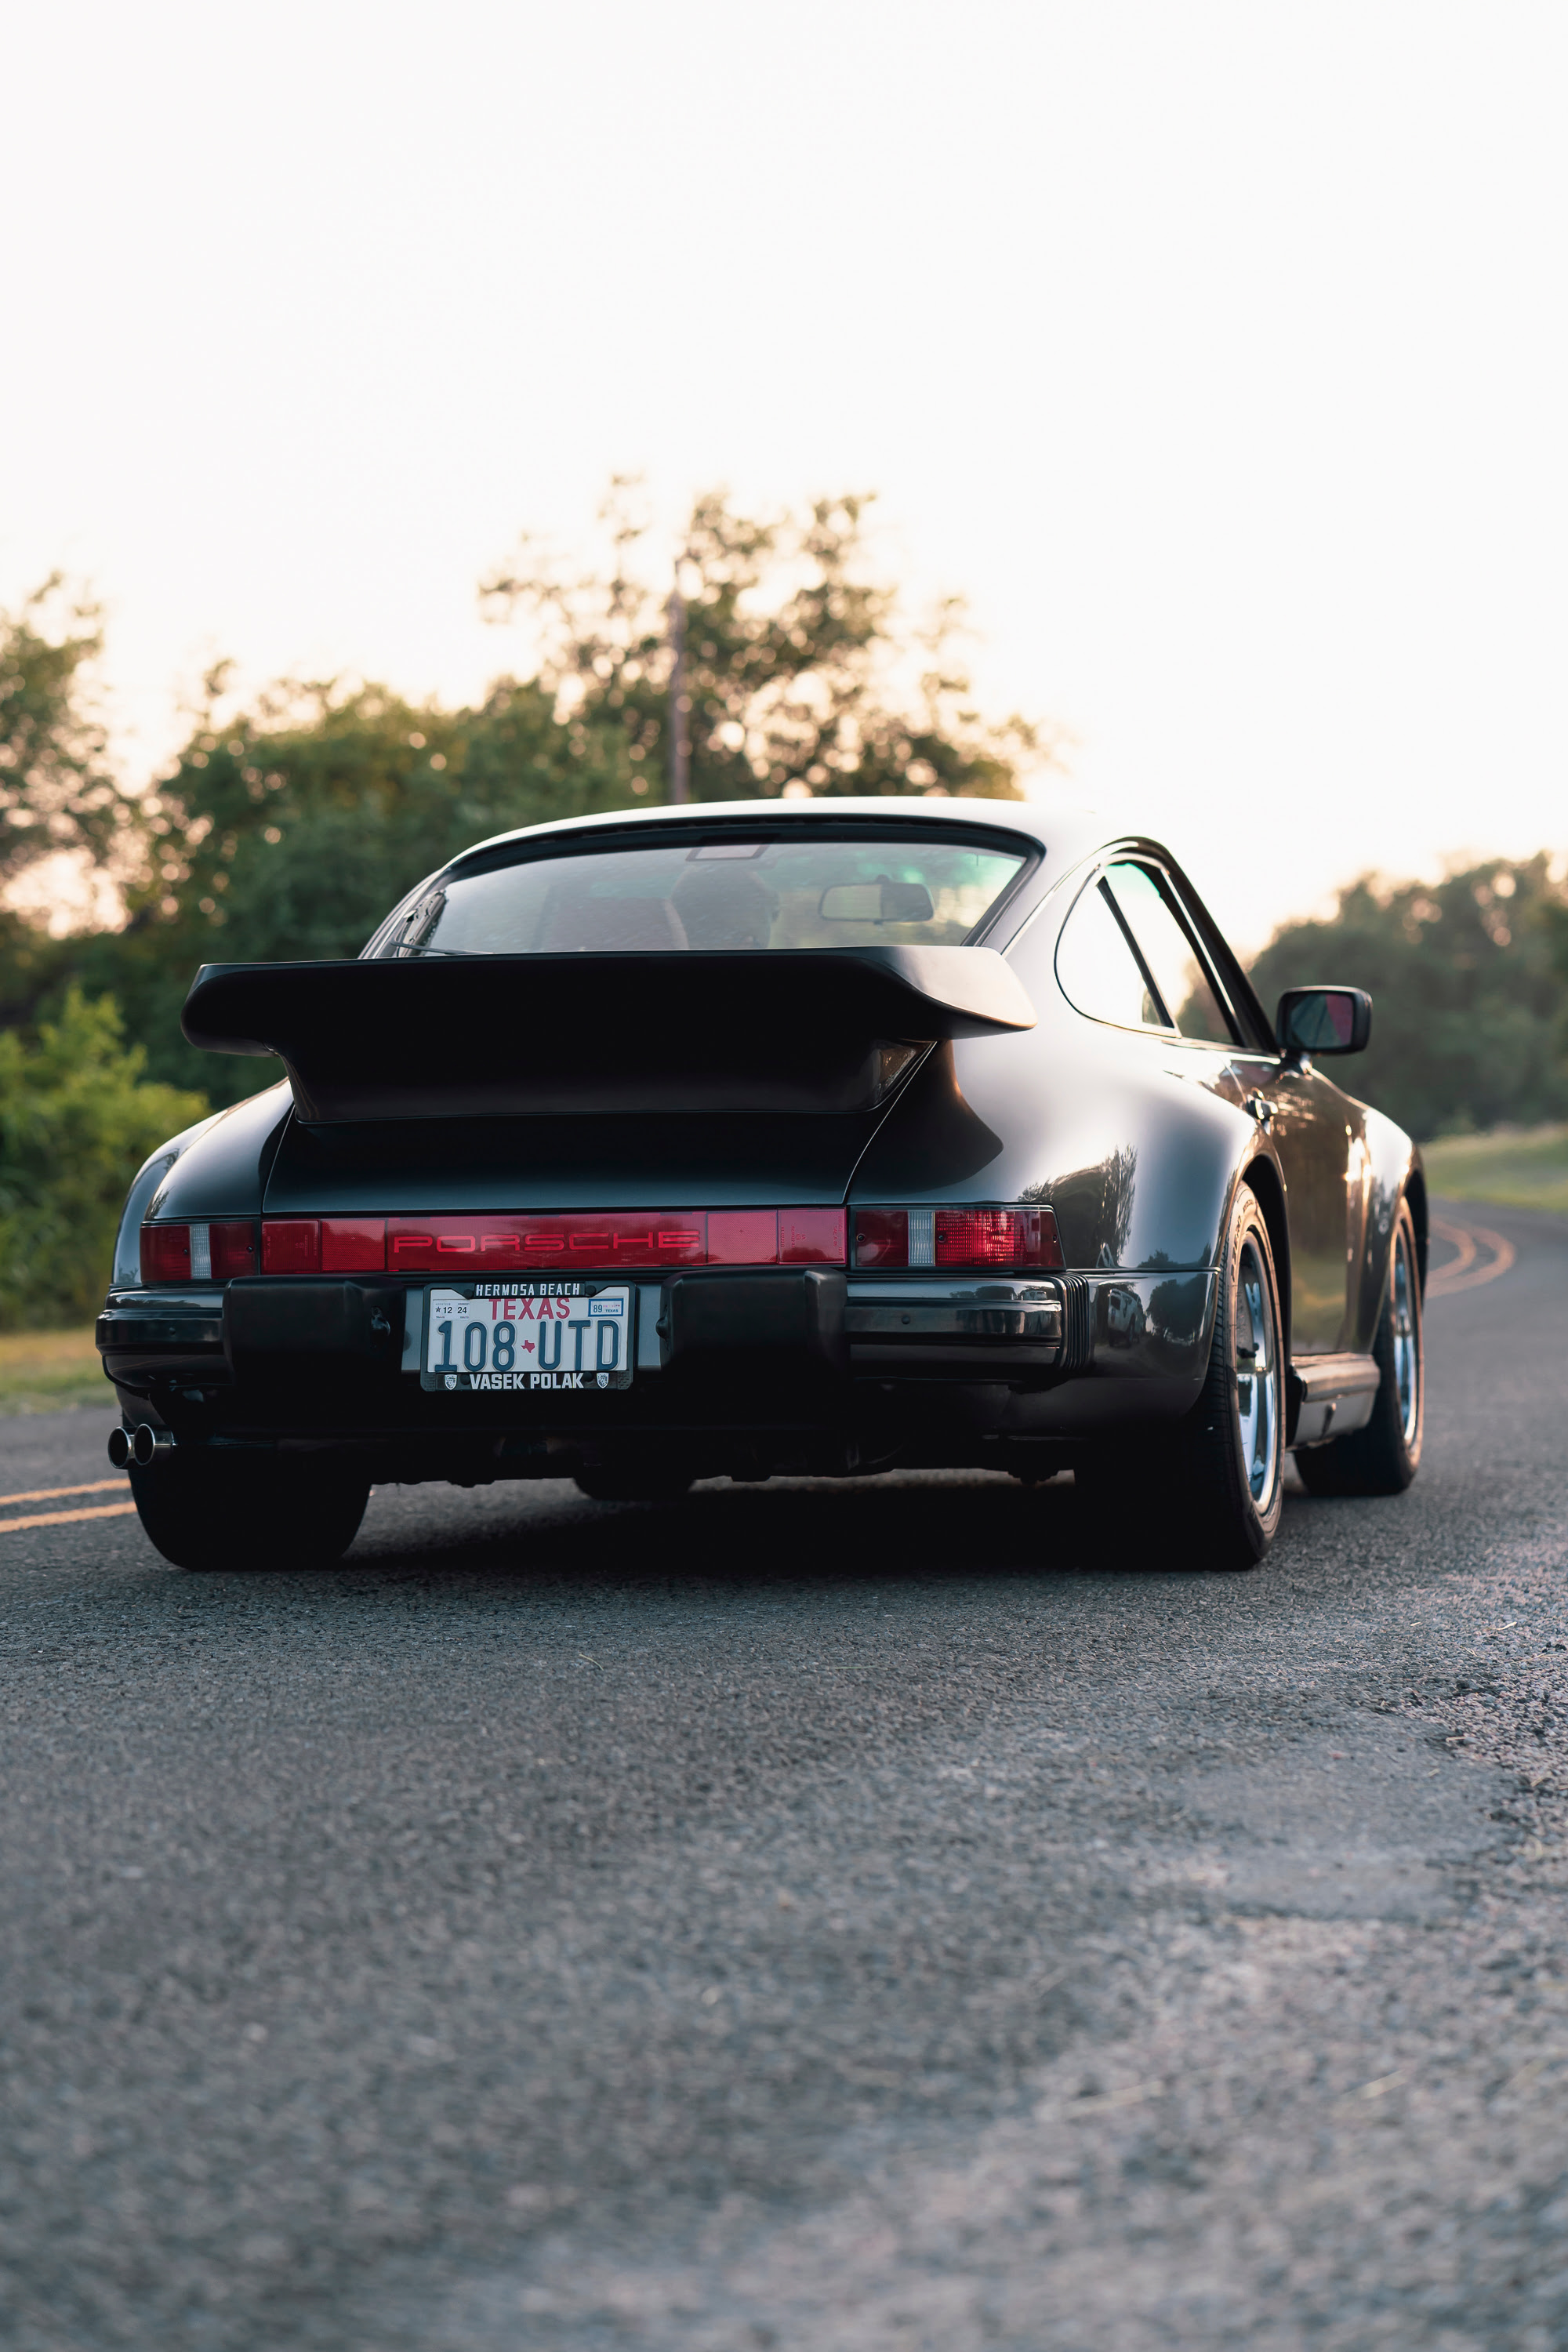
[43, 1371]
[1518, 1167]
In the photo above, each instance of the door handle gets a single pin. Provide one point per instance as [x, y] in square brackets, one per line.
[1262, 1109]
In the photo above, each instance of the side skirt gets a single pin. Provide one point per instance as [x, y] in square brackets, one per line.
[1329, 1397]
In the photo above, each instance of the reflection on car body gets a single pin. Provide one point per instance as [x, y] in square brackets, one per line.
[1125, 1321]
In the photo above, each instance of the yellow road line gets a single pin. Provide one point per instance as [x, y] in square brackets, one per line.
[1463, 1241]
[53, 1493]
[1462, 1273]
[64, 1519]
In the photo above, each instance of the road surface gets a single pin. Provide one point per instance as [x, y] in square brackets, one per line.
[830, 1919]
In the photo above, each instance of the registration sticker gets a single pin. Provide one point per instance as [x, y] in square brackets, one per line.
[527, 1338]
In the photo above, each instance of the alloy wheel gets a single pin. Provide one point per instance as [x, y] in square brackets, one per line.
[1256, 1376]
[1406, 1345]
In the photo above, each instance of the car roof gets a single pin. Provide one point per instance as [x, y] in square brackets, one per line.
[1066, 829]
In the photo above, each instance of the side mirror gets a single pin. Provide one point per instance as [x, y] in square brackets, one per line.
[876, 902]
[1323, 1021]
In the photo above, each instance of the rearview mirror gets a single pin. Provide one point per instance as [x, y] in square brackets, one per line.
[1323, 1021]
[876, 902]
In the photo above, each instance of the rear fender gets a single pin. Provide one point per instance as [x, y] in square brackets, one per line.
[1393, 1172]
[1138, 1162]
[1262, 1175]
[224, 1172]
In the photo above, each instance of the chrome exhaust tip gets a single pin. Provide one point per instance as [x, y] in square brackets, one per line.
[149, 1444]
[119, 1447]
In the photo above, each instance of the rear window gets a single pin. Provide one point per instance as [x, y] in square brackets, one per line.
[671, 897]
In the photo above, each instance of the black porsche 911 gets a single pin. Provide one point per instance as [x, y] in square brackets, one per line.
[824, 1137]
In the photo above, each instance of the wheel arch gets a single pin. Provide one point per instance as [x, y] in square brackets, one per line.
[1262, 1179]
[1415, 1195]
[1395, 1173]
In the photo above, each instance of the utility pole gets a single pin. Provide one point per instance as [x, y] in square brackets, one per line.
[678, 735]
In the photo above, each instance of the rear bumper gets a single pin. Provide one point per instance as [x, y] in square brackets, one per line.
[810, 1363]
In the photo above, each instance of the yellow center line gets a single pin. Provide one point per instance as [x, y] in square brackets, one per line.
[64, 1519]
[1463, 1273]
[1462, 1241]
[53, 1493]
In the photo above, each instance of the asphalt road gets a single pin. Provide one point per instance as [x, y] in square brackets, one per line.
[895, 1916]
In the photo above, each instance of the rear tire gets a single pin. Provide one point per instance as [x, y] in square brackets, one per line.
[1230, 1448]
[208, 1508]
[1384, 1458]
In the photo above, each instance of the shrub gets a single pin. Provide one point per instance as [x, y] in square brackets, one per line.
[77, 1120]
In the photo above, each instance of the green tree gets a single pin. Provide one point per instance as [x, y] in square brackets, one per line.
[289, 829]
[56, 789]
[1467, 1006]
[793, 661]
[76, 1122]
[1555, 918]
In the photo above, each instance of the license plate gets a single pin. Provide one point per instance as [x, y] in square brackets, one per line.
[528, 1339]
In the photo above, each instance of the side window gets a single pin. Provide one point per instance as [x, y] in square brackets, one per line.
[1186, 992]
[1098, 968]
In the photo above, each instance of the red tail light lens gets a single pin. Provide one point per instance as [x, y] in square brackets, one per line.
[291, 1245]
[811, 1236]
[232, 1249]
[165, 1253]
[881, 1237]
[743, 1237]
[996, 1237]
[322, 1245]
[584, 1241]
[886, 1238]
[353, 1244]
[897, 1238]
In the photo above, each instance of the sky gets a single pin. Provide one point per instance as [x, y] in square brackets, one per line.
[1216, 354]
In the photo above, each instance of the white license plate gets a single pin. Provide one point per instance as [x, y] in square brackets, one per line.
[528, 1339]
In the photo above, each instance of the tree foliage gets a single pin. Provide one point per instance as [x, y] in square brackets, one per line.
[792, 655]
[77, 1120]
[290, 828]
[1469, 982]
[56, 792]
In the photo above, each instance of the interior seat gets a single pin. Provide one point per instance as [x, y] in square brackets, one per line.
[607, 926]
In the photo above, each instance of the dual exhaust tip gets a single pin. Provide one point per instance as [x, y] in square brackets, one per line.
[139, 1445]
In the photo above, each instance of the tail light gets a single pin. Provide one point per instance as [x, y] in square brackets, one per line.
[582, 1241]
[291, 1245]
[968, 1237]
[996, 1237]
[323, 1245]
[625, 1239]
[232, 1249]
[198, 1253]
[882, 1238]
[165, 1253]
[353, 1244]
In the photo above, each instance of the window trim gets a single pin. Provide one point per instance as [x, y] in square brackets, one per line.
[1169, 1026]
[1236, 994]
[1176, 899]
[697, 831]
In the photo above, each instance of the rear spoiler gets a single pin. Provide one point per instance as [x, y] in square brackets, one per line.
[511, 1036]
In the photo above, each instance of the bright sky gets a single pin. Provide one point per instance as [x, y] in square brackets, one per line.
[1217, 352]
